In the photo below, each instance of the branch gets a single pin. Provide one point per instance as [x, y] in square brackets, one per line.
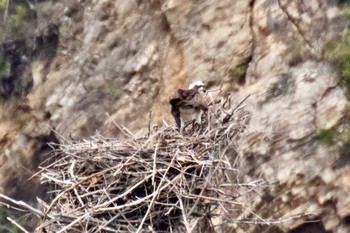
[23, 204]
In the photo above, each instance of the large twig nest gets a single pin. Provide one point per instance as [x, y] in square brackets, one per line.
[166, 182]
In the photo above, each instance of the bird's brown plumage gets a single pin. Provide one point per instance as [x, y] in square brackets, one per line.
[187, 105]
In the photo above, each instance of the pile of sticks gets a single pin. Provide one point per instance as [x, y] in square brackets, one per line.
[165, 182]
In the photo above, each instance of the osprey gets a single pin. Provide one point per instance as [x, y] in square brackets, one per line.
[188, 105]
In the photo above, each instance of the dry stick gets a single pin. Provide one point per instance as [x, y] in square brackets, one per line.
[71, 172]
[53, 130]
[12, 207]
[129, 132]
[194, 225]
[149, 122]
[44, 224]
[127, 162]
[138, 201]
[165, 123]
[224, 209]
[37, 173]
[65, 182]
[120, 128]
[229, 115]
[79, 199]
[228, 99]
[187, 225]
[108, 229]
[23, 204]
[214, 199]
[110, 220]
[76, 184]
[206, 182]
[31, 6]
[123, 194]
[6, 10]
[261, 219]
[17, 225]
[213, 99]
[227, 201]
[154, 197]
[154, 166]
[274, 221]
[73, 223]
[129, 223]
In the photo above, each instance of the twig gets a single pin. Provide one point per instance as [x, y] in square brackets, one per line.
[274, 221]
[184, 216]
[123, 194]
[23, 204]
[227, 118]
[6, 10]
[126, 133]
[12, 207]
[73, 223]
[154, 167]
[17, 225]
[155, 194]
[149, 123]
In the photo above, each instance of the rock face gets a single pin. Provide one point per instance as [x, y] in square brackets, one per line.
[138, 53]
[115, 62]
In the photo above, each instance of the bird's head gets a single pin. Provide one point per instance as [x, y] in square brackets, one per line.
[198, 85]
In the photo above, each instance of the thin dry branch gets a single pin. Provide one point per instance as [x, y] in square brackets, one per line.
[17, 225]
[24, 205]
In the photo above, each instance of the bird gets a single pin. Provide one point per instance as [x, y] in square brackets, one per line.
[188, 105]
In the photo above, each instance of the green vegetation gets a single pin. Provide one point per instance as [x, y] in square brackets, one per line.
[3, 4]
[22, 119]
[345, 11]
[339, 134]
[240, 70]
[339, 53]
[297, 53]
[237, 74]
[4, 69]
[16, 19]
[326, 136]
[5, 225]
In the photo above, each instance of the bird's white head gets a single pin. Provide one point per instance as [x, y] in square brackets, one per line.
[199, 85]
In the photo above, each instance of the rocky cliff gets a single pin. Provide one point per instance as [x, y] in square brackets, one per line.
[99, 66]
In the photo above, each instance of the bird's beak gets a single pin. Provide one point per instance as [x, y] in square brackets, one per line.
[202, 89]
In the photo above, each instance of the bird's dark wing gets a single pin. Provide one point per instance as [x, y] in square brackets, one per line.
[187, 95]
[175, 98]
[197, 101]
[187, 106]
[188, 99]
[175, 101]
[176, 114]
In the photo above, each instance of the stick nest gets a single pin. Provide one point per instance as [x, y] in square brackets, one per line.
[165, 182]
